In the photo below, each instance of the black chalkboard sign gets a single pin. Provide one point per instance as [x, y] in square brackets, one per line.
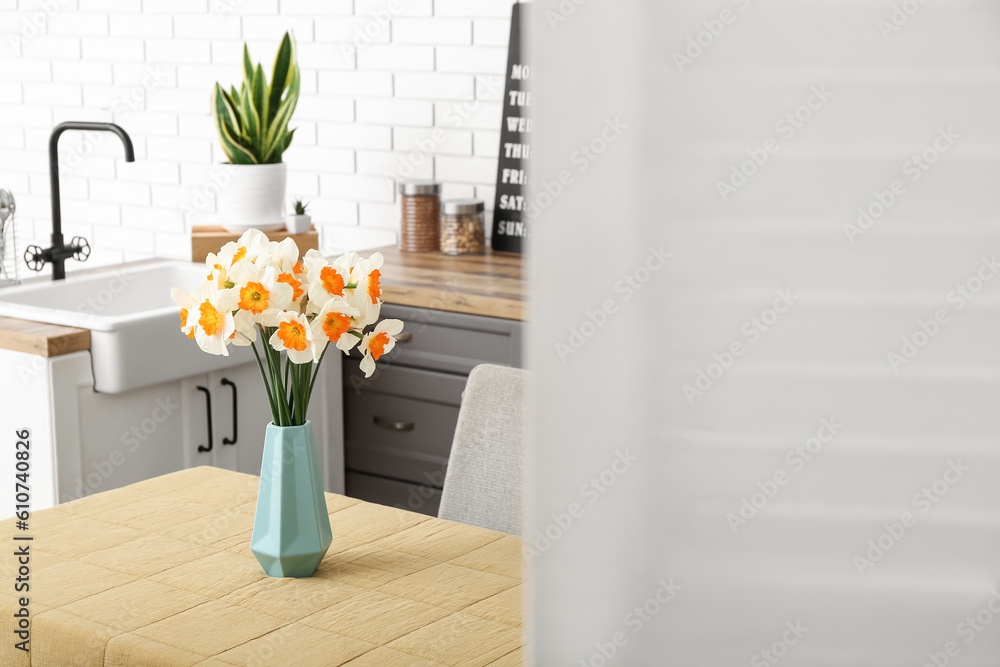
[509, 223]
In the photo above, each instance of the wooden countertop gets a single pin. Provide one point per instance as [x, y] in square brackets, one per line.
[489, 284]
[44, 340]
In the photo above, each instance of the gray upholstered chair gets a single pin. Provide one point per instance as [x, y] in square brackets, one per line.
[483, 485]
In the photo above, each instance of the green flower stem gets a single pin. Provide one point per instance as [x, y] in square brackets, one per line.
[267, 385]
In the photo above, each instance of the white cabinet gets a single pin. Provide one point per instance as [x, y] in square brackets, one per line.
[84, 441]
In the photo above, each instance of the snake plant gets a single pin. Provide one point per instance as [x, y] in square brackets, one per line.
[253, 121]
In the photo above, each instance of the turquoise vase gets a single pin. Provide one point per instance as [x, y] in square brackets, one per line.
[291, 527]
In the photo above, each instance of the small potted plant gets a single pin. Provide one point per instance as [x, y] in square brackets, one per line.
[300, 221]
[252, 123]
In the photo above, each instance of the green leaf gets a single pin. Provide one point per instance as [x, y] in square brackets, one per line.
[237, 153]
[251, 129]
[284, 62]
[247, 64]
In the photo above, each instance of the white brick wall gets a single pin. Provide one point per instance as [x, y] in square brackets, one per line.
[391, 88]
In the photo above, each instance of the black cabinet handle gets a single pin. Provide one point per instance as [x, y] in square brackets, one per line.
[392, 426]
[208, 411]
[227, 441]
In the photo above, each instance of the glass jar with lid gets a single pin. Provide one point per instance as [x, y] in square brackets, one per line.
[463, 228]
[420, 205]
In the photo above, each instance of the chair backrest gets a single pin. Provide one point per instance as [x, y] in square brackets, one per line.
[483, 485]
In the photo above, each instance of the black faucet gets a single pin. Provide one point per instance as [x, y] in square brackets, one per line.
[78, 248]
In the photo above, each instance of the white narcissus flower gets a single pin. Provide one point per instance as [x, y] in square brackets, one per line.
[209, 316]
[380, 341]
[333, 324]
[246, 329]
[259, 289]
[186, 302]
[283, 254]
[367, 298]
[295, 337]
[325, 283]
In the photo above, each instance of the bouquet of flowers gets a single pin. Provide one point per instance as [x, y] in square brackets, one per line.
[259, 290]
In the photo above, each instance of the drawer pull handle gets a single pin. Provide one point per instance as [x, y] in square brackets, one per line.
[404, 337]
[208, 411]
[231, 384]
[392, 426]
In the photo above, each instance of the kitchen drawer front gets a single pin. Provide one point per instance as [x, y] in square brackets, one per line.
[398, 380]
[403, 436]
[413, 497]
[454, 342]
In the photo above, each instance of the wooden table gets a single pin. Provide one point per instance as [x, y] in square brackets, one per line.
[160, 573]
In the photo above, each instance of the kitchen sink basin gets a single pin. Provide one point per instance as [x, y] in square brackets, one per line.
[135, 336]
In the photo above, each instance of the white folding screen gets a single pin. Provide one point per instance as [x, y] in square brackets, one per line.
[765, 328]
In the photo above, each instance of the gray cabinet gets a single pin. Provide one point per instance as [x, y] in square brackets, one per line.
[399, 424]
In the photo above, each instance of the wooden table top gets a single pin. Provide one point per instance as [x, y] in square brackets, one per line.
[161, 573]
[490, 284]
[45, 340]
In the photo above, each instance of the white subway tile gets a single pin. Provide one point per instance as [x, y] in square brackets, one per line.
[491, 32]
[475, 115]
[173, 245]
[432, 141]
[434, 31]
[465, 169]
[267, 28]
[352, 135]
[358, 31]
[178, 51]
[110, 5]
[196, 26]
[326, 56]
[488, 193]
[11, 137]
[149, 171]
[52, 47]
[377, 111]
[146, 75]
[18, 184]
[79, 71]
[395, 166]
[325, 108]
[472, 59]
[317, 7]
[175, 6]
[457, 191]
[384, 216]
[178, 100]
[11, 92]
[487, 143]
[476, 9]
[197, 126]
[303, 184]
[19, 70]
[364, 84]
[141, 25]
[229, 53]
[490, 87]
[356, 187]
[181, 150]
[120, 238]
[396, 57]
[334, 211]
[113, 49]
[154, 219]
[200, 76]
[243, 7]
[119, 192]
[318, 159]
[78, 24]
[435, 86]
[393, 7]
[305, 132]
[23, 115]
[91, 212]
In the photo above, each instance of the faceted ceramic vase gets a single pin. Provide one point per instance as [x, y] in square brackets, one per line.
[291, 527]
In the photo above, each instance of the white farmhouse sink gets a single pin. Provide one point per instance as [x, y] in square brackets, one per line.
[135, 336]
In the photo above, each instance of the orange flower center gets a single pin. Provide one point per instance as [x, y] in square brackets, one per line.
[297, 269]
[240, 254]
[292, 336]
[184, 319]
[336, 325]
[296, 285]
[210, 320]
[253, 297]
[332, 281]
[377, 345]
[374, 289]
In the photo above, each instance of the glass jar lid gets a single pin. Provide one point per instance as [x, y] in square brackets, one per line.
[460, 206]
[418, 187]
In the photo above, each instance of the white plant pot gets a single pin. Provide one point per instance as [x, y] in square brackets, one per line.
[298, 224]
[253, 198]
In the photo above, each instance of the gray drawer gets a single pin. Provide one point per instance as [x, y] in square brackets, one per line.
[402, 425]
[454, 342]
[412, 497]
